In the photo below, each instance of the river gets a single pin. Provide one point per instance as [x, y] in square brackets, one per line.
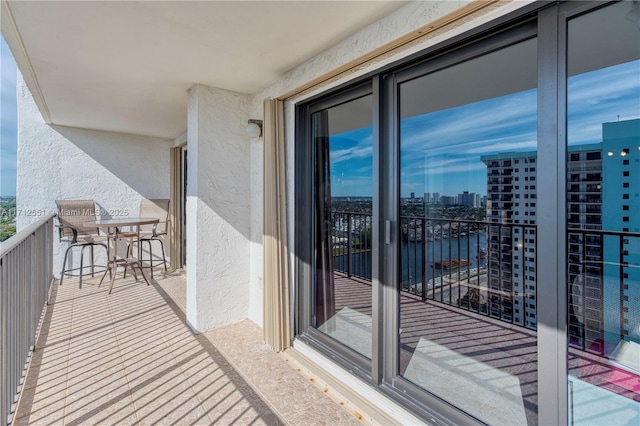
[465, 247]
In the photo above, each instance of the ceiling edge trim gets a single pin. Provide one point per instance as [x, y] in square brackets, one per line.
[13, 38]
[389, 48]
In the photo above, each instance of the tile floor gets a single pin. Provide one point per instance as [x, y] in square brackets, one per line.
[128, 358]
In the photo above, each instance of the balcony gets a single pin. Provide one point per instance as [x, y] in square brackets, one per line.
[484, 339]
[129, 358]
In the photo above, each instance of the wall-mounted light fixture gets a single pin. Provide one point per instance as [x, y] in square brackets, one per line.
[253, 129]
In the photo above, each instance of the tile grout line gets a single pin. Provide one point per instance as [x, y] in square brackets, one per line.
[122, 366]
[171, 351]
[70, 329]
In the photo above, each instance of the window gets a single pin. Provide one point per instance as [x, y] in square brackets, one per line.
[603, 288]
[625, 207]
[413, 135]
[625, 196]
[594, 156]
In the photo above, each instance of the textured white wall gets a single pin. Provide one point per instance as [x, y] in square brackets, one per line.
[115, 170]
[218, 217]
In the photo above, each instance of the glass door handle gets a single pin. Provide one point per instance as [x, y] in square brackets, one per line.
[387, 232]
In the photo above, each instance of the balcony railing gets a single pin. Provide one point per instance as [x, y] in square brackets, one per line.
[26, 262]
[591, 266]
[447, 260]
[352, 243]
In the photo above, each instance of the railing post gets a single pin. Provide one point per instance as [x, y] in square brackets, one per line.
[4, 412]
[424, 260]
[621, 284]
[349, 242]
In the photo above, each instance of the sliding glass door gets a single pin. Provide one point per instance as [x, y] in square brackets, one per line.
[467, 233]
[603, 215]
[468, 222]
[343, 211]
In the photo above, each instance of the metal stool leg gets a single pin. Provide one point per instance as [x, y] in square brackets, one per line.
[64, 263]
[164, 258]
[92, 261]
[150, 258]
[81, 266]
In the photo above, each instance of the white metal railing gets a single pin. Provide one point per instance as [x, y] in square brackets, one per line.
[26, 274]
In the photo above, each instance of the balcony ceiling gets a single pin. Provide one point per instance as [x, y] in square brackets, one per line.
[127, 66]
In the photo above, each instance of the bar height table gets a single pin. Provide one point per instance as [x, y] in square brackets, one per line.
[114, 233]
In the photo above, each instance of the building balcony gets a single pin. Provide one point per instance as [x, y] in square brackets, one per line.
[129, 358]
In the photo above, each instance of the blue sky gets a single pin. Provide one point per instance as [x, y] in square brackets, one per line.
[440, 151]
[8, 121]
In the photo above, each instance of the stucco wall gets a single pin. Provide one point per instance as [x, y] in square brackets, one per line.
[218, 217]
[115, 170]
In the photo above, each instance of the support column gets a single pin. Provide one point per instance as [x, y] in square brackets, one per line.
[218, 208]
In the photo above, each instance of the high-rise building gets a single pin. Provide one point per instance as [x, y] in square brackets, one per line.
[447, 200]
[621, 213]
[511, 210]
[468, 199]
[603, 204]
[584, 205]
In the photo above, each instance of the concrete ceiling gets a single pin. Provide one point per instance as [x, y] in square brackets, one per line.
[127, 66]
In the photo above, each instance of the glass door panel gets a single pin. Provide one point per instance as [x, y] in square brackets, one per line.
[467, 239]
[603, 216]
[342, 296]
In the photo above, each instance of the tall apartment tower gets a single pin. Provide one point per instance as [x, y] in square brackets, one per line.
[603, 230]
[604, 267]
[621, 213]
[468, 199]
[511, 211]
[584, 205]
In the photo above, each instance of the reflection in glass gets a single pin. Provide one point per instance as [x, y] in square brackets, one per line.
[343, 142]
[603, 217]
[468, 234]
